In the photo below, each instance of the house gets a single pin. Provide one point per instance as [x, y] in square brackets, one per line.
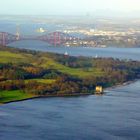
[99, 90]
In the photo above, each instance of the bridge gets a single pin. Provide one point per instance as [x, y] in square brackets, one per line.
[54, 38]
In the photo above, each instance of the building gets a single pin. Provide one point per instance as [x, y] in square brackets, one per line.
[99, 90]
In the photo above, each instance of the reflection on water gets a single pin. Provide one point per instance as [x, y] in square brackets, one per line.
[114, 116]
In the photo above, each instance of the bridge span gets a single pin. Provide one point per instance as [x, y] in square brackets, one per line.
[54, 38]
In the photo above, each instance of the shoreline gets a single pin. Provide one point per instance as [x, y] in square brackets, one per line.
[123, 84]
[72, 95]
[48, 96]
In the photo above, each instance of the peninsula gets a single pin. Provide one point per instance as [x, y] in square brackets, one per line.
[26, 74]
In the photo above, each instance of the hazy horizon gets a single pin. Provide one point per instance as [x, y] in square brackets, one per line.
[116, 8]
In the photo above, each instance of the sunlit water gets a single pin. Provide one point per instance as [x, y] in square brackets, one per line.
[114, 116]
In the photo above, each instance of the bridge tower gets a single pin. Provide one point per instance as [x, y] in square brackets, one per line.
[56, 38]
[3, 39]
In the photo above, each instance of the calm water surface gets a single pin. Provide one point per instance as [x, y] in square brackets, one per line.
[27, 27]
[122, 53]
[114, 116]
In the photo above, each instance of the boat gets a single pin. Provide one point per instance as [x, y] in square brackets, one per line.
[66, 53]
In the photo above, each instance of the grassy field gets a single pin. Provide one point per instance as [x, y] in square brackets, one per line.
[50, 63]
[44, 81]
[31, 64]
[46, 61]
[11, 57]
[8, 96]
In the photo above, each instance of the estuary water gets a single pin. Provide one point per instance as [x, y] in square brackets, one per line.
[113, 116]
[121, 53]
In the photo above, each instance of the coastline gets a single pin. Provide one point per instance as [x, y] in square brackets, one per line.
[122, 84]
[72, 95]
[49, 96]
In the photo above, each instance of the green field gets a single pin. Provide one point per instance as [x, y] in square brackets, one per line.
[46, 61]
[11, 57]
[54, 74]
[16, 95]
[44, 81]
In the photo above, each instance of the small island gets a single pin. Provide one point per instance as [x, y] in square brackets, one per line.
[26, 74]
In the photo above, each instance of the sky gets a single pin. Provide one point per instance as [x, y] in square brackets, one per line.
[70, 7]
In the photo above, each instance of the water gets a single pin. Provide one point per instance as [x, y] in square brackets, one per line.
[114, 116]
[122, 53]
[28, 27]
